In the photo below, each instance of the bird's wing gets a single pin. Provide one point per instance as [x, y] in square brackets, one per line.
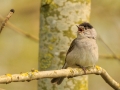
[69, 50]
[71, 46]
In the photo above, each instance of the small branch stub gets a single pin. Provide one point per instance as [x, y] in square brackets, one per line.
[7, 18]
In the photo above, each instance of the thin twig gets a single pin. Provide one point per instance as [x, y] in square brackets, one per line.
[107, 56]
[114, 55]
[35, 75]
[18, 30]
[6, 19]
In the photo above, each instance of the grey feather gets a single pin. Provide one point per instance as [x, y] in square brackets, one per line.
[83, 50]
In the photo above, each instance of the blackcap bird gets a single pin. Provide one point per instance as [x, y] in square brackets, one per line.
[83, 51]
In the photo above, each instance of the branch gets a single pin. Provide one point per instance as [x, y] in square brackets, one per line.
[35, 75]
[114, 55]
[108, 57]
[13, 27]
[7, 18]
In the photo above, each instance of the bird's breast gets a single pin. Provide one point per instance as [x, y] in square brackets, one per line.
[85, 53]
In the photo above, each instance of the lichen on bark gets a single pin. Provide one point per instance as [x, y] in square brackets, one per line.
[58, 20]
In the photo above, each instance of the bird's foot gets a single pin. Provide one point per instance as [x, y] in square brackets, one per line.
[83, 68]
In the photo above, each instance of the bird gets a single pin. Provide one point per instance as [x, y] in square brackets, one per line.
[83, 51]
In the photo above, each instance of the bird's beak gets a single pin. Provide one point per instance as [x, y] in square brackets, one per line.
[80, 28]
[77, 26]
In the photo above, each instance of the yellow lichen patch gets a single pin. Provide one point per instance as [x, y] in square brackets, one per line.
[98, 68]
[68, 33]
[30, 74]
[71, 70]
[81, 84]
[48, 55]
[33, 70]
[36, 71]
[50, 47]
[53, 40]
[9, 75]
[24, 74]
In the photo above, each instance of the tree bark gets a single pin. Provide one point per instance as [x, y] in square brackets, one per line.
[58, 20]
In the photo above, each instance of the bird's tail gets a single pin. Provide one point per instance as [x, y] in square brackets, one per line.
[57, 80]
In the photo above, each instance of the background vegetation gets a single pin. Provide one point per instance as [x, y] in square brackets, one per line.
[20, 54]
[105, 17]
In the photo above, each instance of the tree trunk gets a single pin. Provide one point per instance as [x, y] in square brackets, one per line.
[58, 20]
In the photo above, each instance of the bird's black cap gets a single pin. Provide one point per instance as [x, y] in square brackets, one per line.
[86, 25]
